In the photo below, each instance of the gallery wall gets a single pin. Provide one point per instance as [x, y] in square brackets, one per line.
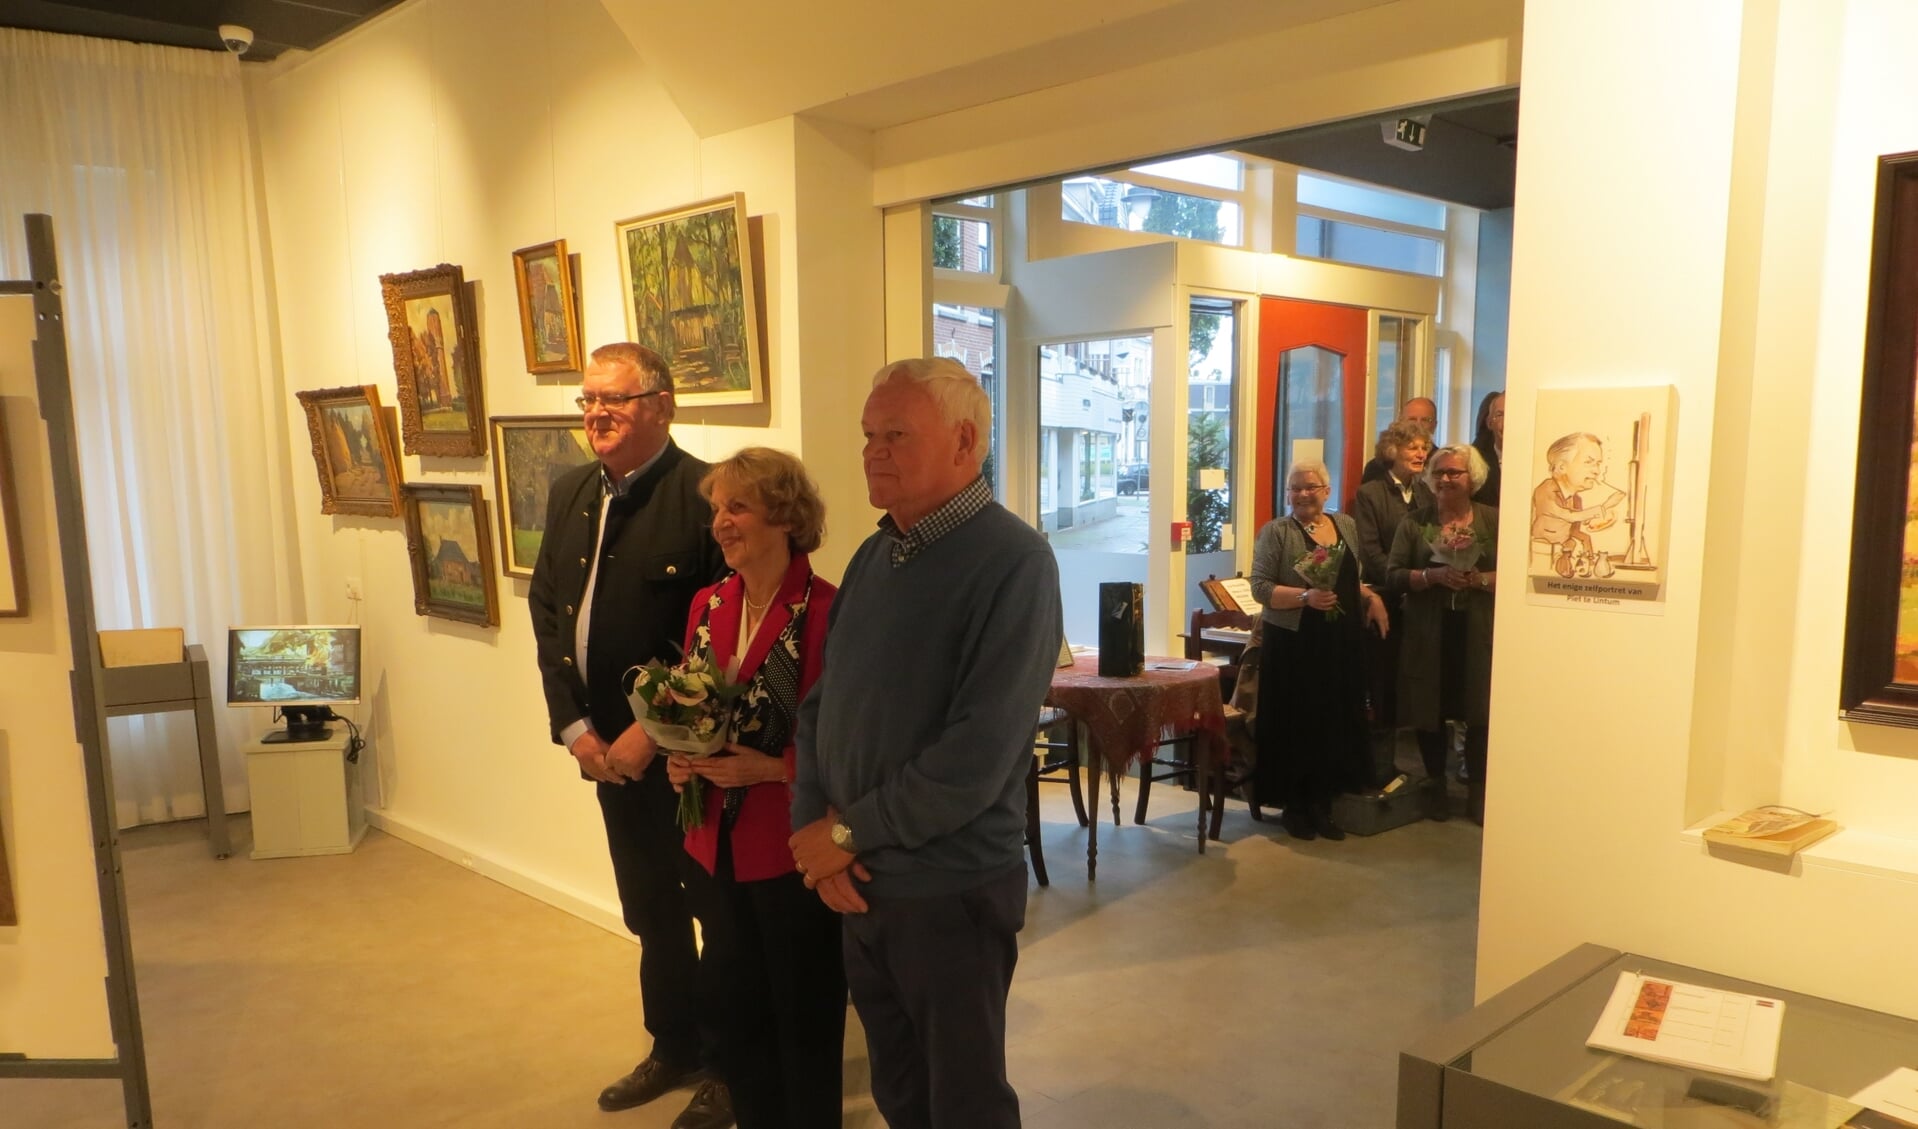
[1713, 185]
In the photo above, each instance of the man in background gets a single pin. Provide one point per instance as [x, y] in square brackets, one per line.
[628, 542]
[910, 802]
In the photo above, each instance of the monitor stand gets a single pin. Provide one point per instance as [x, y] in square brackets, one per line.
[303, 723]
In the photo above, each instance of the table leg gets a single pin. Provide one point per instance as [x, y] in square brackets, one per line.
[1115, 796]
[1202, 769]
[210, 784]
[1082, 737]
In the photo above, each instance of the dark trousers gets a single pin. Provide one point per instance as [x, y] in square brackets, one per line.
[930, 978]
[777, 983]
[651, 866]
[1433, 746]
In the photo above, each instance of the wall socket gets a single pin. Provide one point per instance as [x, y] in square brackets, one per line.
[353, 591]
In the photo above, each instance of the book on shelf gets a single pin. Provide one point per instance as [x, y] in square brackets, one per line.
[1773, 829]
[1685, 1025]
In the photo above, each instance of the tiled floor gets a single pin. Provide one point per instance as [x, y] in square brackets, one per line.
[1269, 984]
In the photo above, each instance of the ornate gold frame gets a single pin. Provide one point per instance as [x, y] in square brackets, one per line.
[395, 291]
[331, 500]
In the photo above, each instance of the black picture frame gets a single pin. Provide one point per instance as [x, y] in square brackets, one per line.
[1873, 689]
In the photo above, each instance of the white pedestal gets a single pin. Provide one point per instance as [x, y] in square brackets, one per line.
[306, 798]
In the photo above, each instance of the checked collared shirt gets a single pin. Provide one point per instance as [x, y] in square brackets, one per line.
[964, 506]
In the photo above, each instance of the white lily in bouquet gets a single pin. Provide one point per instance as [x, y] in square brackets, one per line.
[686, 708]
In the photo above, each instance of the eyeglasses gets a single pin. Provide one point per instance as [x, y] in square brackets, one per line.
[1314, 489]
[610, 400]
[1451, 472]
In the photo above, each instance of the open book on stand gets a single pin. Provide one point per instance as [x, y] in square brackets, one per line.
[1685, 1025]
[1773, 829]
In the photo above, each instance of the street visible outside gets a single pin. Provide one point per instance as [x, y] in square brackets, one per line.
[1127, 531]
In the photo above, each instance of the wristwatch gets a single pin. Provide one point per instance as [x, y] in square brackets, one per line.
[1303, 593]
[842, 837]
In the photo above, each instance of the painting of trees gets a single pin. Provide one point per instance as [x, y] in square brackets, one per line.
[689, 297]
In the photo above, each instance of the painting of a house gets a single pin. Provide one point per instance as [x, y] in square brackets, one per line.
[689, 283]
[447, 541]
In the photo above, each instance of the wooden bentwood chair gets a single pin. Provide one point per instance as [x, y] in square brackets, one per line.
[1053, 751]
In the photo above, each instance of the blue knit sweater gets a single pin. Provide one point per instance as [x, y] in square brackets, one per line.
[920, 728]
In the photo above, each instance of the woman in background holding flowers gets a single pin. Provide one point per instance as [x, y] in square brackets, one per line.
[773, 945]
[1306, 573]
[1445, 558]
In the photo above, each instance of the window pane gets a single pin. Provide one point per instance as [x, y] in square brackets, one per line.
[1393, 334]
[961, 244]
[1214, 170]
[1311, 389]
[1370, 247]
[1094, 475]
[1209, 431]
[1376, 203]
[970, 335]
[1134, 207]
[979, 201]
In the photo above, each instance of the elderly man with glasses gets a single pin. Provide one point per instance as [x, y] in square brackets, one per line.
[628, 543]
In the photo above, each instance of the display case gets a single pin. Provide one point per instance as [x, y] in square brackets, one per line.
[1519, 1059]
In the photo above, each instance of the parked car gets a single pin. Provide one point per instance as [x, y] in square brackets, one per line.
[1135, 478]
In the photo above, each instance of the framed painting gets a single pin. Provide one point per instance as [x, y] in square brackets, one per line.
[13, 564]
[688, 288]
[548, 310]
[452, 553]
[435, 339]
[353, 451]
[529, 453]
[1880, 679]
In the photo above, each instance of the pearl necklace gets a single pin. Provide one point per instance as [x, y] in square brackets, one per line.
[759, 607]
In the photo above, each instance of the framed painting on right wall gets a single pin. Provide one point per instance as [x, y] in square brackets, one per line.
[1880, 680]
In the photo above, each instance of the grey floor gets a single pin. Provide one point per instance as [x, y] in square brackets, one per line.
[1269, 983]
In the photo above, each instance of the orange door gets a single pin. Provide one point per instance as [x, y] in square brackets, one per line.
[1312, 383]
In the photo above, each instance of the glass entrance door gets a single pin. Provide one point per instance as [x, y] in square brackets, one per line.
[1095, 468]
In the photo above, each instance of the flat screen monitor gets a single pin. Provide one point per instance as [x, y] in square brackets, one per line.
[300, 670]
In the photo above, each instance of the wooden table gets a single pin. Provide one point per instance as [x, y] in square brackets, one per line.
[1121, 720]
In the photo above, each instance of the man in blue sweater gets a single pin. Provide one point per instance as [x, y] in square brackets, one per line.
[909, 801]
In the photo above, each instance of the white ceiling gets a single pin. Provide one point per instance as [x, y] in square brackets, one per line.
[874, 63]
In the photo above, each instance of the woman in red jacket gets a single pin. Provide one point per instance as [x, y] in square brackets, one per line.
[771, 946]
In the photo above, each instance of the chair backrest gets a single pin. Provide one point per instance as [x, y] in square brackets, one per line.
[1202, 619]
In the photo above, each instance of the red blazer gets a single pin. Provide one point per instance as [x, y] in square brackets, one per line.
[765, 816]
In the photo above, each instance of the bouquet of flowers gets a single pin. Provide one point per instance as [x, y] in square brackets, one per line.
[1456, 544]
[1320, 568]
[686, 708]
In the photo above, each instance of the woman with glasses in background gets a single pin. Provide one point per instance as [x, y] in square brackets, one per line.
[1445, 654]
[1311, 728]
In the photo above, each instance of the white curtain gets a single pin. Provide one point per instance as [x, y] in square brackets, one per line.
[144, 158]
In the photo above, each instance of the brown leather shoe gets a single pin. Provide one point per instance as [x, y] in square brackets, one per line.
[711, 1108]
[647, 1081]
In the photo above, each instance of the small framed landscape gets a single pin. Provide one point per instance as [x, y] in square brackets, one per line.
[452, 553]
[353, 451]
[431, 326]
[548, 310]
[687, 282]
[529, 453]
